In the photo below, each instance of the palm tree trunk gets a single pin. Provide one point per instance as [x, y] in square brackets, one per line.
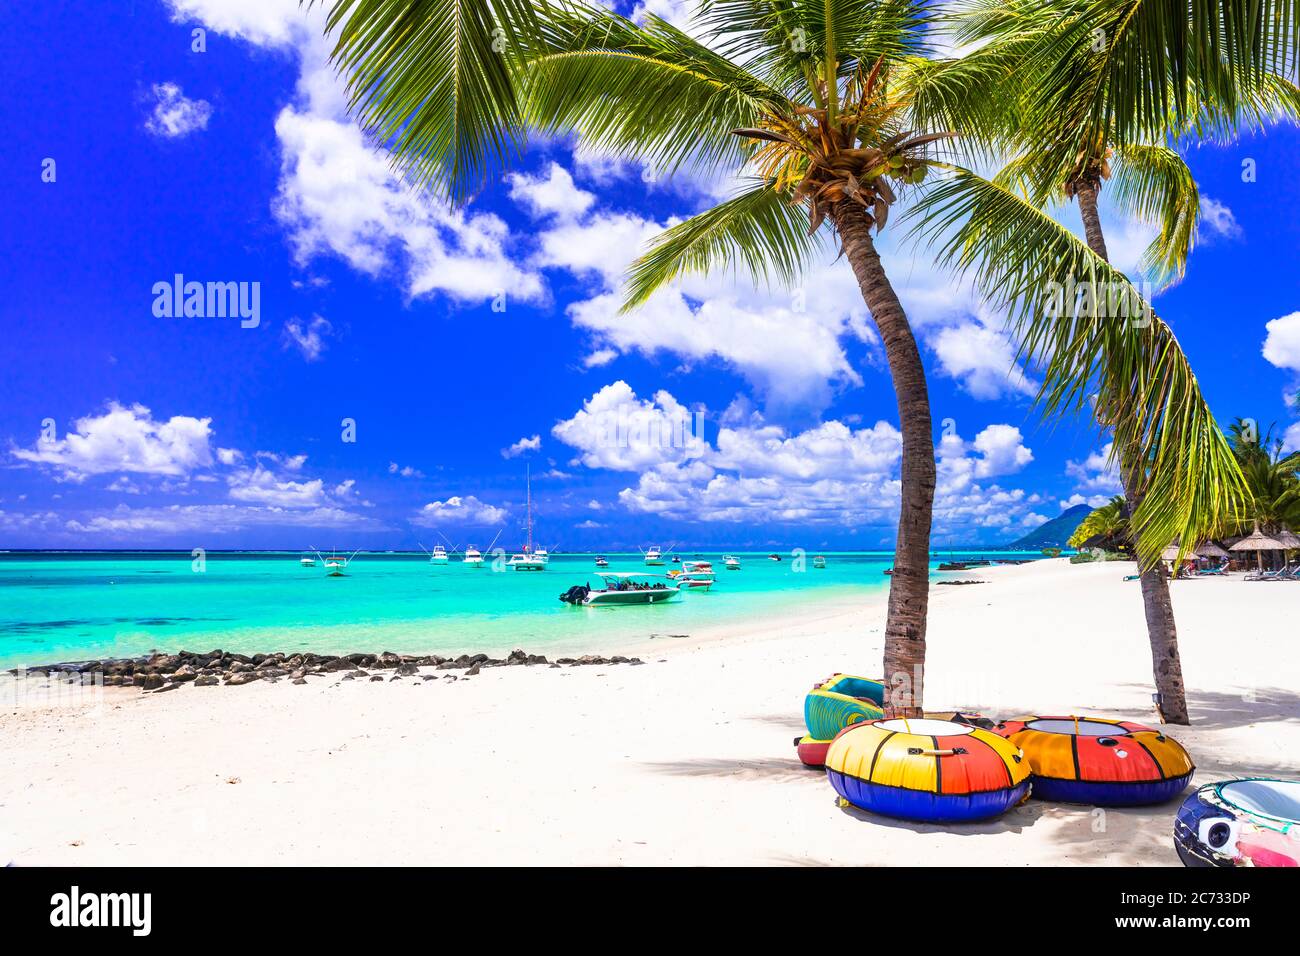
[1166, 665]
[909, 587]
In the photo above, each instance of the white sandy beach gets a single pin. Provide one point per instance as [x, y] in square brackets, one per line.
[687, 760]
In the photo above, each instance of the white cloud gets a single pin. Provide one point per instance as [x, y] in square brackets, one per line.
[214, 519]
[521, 446]
[1282, 342]
[307, 337]
[982, 360]
[271, 23]
[174, 115]
[588, 524]
[406, 471]
[457, 510]
[1217, 220]
[126, 439]
[554, 195]
[1095, 474]
[338, 195]
[262, 486]
[616, 430]
[1291, 438]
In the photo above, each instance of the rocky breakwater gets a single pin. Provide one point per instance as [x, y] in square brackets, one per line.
[157, 673]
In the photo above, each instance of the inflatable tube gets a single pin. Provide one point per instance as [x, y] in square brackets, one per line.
[1109, 763]
[833, 704]
[934, 771]
[1250, 822]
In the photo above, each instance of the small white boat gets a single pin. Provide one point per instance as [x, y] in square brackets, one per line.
[307, 561]
[602, 561]
[473, 557]
[731, 563]
[624, 590]
[774, 557]
[819, 562]
[526, 560]
[653, 556]
[695, 575]
[542, 555]
[438, 555]
[336, 564]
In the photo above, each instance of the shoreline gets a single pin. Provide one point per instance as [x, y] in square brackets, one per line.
[685, 761]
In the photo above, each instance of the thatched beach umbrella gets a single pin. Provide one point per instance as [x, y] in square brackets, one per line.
[1258, 542]
[1171, 554]
[1287, 539]
[1209, 549]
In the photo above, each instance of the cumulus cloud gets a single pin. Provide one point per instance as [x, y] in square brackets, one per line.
[1217, 220]
[125, 439]
[405, 471]
[1282, 342]
[616, 430]
[458, 510]
[173, 115]
[552, 195]
[523, 445]
[982, 359]
[1096, 474]
[307, 337]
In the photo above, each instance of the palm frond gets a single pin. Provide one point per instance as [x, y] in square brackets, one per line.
[650, 90]
[1154, 184]
[430, 79]
[759, 230]
[1096, 342]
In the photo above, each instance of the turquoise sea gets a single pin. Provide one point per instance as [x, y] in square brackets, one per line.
[64, 606]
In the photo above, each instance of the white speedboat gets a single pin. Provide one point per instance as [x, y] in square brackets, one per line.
[602, 561]
[542, 555]
[653, 556]
[624, 589]
[336, 564]
[438, 555]
[730, 562]
[473, 557]
[819, 562]
[695, 575]
[307, 561]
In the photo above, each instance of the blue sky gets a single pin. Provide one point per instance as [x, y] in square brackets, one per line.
[239, 164]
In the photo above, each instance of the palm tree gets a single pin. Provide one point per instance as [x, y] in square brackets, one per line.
[804, 96]
[817, 101]
[1107, 525]
[1085, 93]
[1273, 479]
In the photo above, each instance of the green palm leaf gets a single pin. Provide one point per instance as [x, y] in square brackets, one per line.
[1128, 365]
[430, 79]
[649, 91]
[1154, 183]
[758, 230]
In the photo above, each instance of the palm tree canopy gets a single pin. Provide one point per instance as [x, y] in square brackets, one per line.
[1084, 91]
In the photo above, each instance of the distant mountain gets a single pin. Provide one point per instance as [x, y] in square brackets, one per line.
[1054, 533]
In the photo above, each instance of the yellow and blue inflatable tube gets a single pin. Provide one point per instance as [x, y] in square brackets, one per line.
[935, 771]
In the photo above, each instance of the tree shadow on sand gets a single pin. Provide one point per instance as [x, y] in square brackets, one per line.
[762, 768]
[1216, 710]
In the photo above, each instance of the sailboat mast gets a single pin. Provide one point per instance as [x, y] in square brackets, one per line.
[528, 479]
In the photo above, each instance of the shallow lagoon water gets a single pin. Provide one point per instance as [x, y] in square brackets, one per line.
[58, 606]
